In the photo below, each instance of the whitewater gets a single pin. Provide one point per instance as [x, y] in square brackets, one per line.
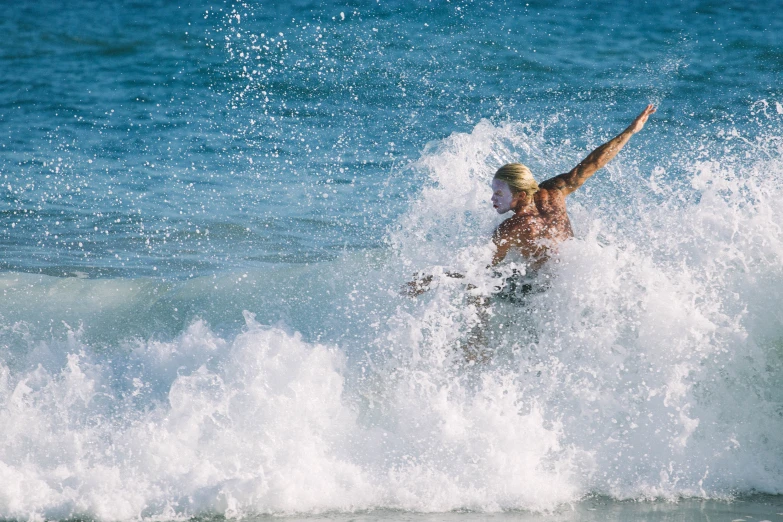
[209, 213]
[650, 368]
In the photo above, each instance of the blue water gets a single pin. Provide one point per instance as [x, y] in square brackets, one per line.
[125, 124]
[208, 209]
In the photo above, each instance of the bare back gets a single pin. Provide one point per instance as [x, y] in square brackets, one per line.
[536, 228]
[540, 221]
[538, 225]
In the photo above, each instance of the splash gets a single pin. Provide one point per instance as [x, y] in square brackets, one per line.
[257, 424]
[657, 343]
[649, 369]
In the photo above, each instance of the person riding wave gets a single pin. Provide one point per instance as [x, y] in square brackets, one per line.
[539, 221]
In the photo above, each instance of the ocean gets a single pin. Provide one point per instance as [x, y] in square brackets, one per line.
[209, 210]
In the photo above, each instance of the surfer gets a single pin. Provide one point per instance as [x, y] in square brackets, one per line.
[539, 221]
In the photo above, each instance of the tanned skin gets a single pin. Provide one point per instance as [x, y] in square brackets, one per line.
[541, 222]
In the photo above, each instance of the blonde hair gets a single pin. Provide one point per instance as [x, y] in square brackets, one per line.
[518, 177]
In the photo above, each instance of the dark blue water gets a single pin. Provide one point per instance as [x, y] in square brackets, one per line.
[132, 129]
[208, 210]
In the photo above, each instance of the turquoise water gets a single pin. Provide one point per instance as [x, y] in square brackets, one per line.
[208, 210]
[150, 114]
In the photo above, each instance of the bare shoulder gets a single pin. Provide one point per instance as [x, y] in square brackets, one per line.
[505, 229]
[511, 227]
[549, 199]
[557, 183]
[517, 226]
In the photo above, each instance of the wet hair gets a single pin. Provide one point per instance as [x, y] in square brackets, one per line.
[518, 177]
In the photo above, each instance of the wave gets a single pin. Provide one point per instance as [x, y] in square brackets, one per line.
[648, 369]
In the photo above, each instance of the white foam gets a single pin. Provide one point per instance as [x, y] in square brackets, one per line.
[650, 368]
[658, 341]
[258, 424]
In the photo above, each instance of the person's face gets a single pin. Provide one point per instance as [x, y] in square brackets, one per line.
[502, 198]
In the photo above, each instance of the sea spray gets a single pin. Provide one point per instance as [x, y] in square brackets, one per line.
[647, 369]
[197, 424]
[657, 342]
[257, 425]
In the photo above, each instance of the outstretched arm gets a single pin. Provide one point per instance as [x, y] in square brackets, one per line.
[570, 181]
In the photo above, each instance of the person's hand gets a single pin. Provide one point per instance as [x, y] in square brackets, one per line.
[417, 286]
[640, 120]
[421, 283]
